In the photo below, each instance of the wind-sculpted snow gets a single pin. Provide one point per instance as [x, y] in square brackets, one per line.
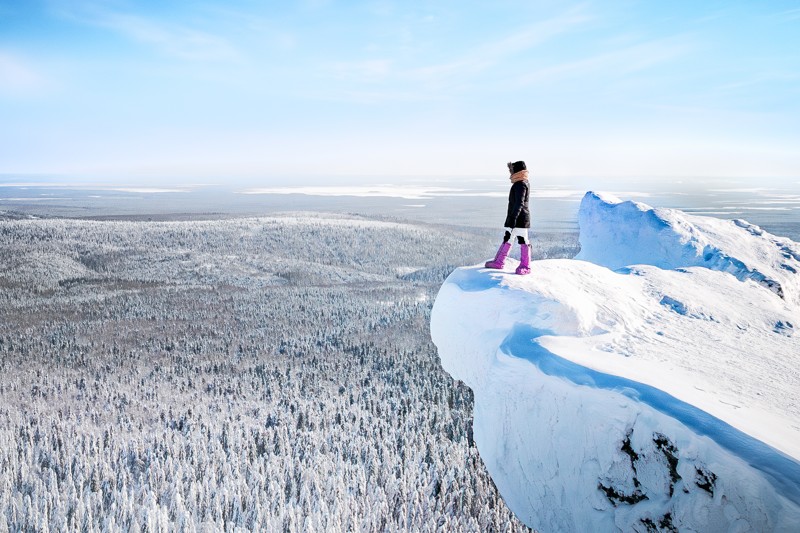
[649, 389]
[617, 234]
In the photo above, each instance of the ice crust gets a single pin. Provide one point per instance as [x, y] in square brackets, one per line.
[652, 383]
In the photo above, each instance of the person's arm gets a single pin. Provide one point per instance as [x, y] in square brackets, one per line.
[517, 200]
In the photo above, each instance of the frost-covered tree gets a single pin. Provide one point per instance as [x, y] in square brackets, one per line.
[221, 375]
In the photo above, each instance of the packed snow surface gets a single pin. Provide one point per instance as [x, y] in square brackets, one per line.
[650, 383]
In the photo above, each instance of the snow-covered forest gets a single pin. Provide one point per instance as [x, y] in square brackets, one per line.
[270, 374]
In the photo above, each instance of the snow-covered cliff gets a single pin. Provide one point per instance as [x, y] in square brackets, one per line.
[649, 384]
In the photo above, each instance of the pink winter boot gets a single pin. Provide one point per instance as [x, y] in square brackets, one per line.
[499, 259]
[524, 260]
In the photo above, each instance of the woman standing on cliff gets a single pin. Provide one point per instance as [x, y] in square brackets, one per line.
[518, 220]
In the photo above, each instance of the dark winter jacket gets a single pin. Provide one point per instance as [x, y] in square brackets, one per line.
[519, 216]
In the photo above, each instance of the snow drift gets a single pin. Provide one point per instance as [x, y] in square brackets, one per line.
[649, 384]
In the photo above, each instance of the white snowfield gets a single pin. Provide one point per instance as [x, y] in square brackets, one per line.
[651, 383]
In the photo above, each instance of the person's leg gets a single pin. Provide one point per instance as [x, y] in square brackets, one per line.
[521, 234]
[524, 252]
[499, 260]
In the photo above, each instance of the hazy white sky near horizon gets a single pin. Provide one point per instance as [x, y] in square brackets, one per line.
[274, 90]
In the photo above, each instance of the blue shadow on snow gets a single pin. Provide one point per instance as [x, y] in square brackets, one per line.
[780, 469]
[476, 279]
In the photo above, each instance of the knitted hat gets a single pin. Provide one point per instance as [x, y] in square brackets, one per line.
[516, 167]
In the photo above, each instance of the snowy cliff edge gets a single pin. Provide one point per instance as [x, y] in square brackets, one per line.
[649, 383]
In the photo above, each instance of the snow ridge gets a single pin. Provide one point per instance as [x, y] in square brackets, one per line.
[650, 386]
[669, 238]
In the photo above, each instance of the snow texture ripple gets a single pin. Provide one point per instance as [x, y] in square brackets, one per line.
[648, 385]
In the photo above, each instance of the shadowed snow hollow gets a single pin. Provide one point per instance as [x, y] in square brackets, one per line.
[651, 385]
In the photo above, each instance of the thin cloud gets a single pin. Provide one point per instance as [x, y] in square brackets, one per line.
[270, 30]
[492, 53]
[170, 39]
[427, 82]
[789, 14]
[623, 61]
[363, 71]
[364, 97]
[763, 78]
[17, 76]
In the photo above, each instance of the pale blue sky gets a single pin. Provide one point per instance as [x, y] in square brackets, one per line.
[273, 90]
